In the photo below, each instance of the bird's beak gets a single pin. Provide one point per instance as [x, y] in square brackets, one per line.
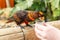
[41, 18]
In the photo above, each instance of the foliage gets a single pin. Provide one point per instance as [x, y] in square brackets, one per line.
[21, 5]
[39, 5]
[55, 8]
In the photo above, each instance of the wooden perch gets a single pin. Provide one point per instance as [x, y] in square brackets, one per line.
[16, 33]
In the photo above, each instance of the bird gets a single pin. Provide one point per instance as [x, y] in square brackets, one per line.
[25, 16]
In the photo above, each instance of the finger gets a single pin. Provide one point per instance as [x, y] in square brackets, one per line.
[40, 37]
[41, 33]
[44, 24]
[40, 27]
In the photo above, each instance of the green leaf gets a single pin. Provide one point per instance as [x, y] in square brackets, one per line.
[56, 12]
[55, 4]
[21, 5]
[1, 11]
[55, 8]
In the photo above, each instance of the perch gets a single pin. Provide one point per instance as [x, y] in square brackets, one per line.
[16, 33]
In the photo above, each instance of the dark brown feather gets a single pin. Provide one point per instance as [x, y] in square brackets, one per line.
[23, 16]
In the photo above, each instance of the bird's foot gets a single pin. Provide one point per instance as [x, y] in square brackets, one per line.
[21, 27]
[29, 25]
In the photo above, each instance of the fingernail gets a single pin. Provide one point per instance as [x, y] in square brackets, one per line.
[41, 27]
[44, 24]
[41, 33]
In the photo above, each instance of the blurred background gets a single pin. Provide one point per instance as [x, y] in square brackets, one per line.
[50, 8]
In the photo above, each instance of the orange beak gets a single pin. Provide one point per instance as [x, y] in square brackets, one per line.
[41, 17]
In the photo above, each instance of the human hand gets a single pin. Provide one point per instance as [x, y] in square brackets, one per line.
[46, 31]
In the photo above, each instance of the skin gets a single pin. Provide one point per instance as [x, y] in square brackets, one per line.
[45, 31]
